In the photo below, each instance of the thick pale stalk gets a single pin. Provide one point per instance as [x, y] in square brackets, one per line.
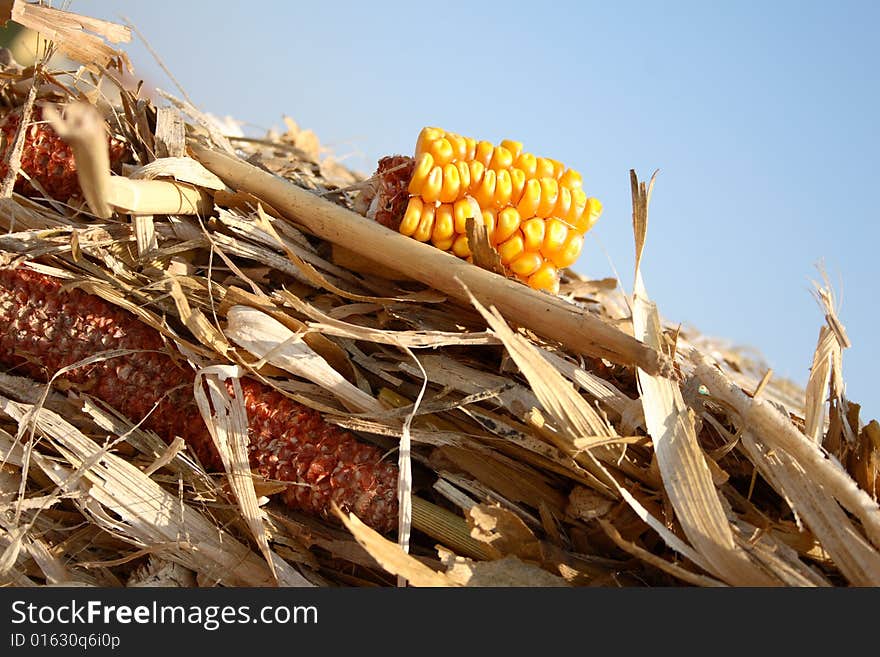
[84, 130]
[542, 313]
[777, 432]
[448, 528]
[151, 197]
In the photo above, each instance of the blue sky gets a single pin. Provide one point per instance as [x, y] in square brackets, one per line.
[760, 117]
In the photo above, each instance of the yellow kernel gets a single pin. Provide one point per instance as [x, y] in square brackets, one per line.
[563, 204]
[426, 224]
[477, 172]
[518, 183]
[533, 234]
[527, 163]
[555, 234]
[515, 147]
[459, 145]
[511, 249]
[485, 194]
[484, 153]
[421, 173]
[411, 217]
[464, 175]
[590, 215]
[569, 252]
[578, 203]
[544, 168]
[444, 227]
[426, 137]
[531, 199]
[506, 224]
[442, 151]
[526, 264]
[444, 245]
[546, 278]
[558, 168]
[464, 209]
[433, 185]
[549, 196]
[489, 221]
[460, 246]
[503, 188]
[471, 150]
[571, 179]
[501, 159]
[451, 188]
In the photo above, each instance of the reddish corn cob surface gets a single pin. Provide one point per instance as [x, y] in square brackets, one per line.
[393, 174]
[44, 328]
[46, 157]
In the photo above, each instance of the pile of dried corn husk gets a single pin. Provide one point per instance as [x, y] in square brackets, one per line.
[542, 441]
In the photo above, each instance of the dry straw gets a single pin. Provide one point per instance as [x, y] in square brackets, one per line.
[572, 440]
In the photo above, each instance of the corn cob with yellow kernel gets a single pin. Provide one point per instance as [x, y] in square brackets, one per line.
[44, 328]
[534, 209]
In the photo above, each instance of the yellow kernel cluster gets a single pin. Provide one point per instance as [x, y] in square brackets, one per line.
[535, 210]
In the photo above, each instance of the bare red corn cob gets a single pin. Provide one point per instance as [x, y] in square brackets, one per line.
[44, 328]
[46, 157]
[391, 193]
